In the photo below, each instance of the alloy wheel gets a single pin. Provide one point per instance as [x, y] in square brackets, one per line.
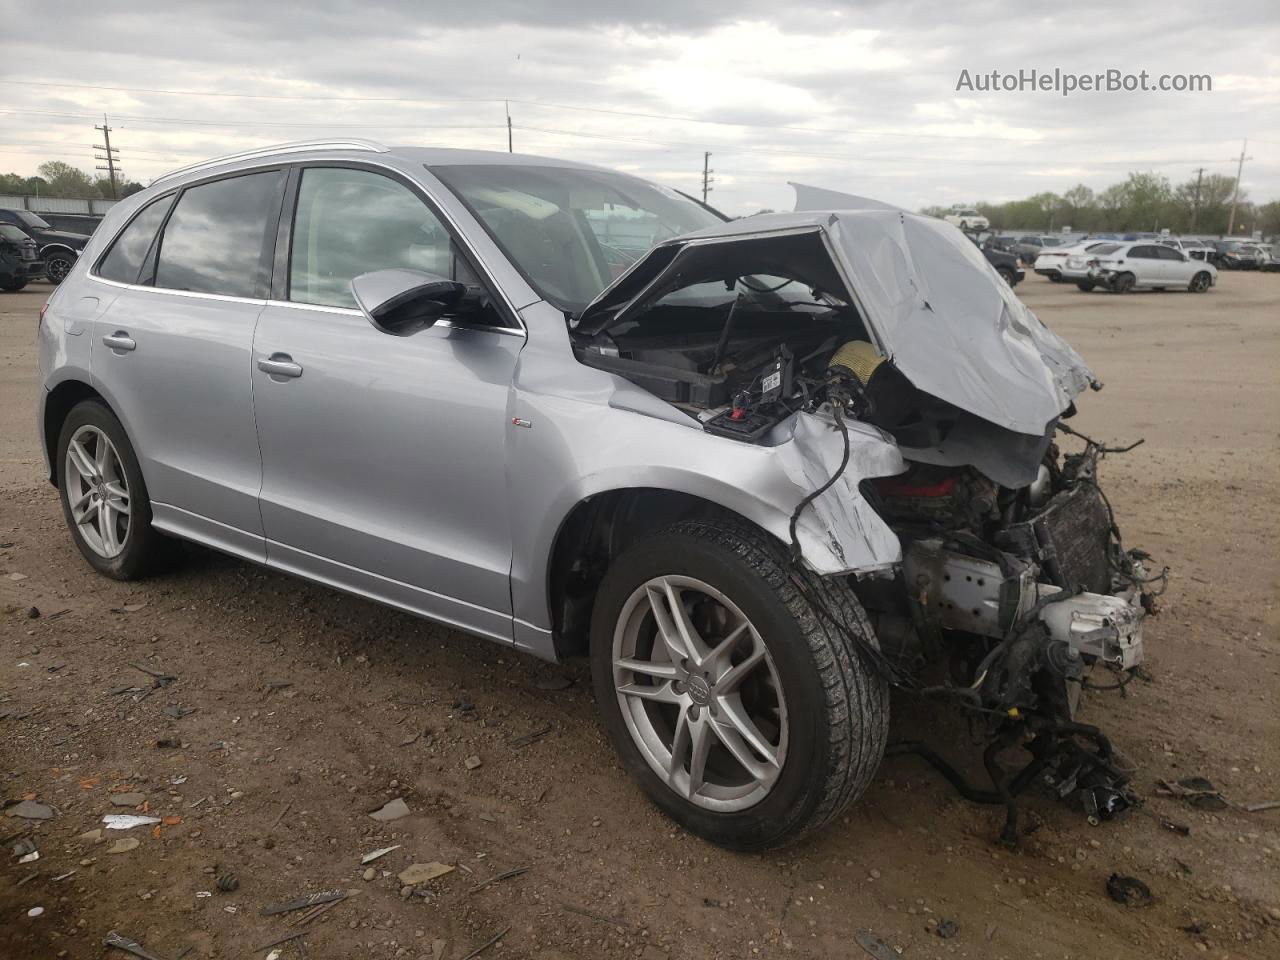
[699, 693]
[97, 491]
[57, 269]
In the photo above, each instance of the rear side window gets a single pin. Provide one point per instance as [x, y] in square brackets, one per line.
[125, 257]
[217, 239]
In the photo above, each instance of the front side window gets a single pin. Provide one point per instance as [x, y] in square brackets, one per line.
[350, 222]
[1145, 253]
[123, 262]
[216, 239]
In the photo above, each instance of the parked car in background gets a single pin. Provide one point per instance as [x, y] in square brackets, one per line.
[1195, 249]
[81, 223]
[1006, 263]
[715, 476]
[1270, 259]
[995, 241]
[1147, 266]
[1029, 246]
[1051, 262]
[1072, 264]
[58, 248]
[1236, 255]
[19, 258]
[967, 219]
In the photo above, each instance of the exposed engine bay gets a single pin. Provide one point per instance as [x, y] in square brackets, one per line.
[1009, 594]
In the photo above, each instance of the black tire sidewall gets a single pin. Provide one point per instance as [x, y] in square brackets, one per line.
[59, 258]
[799, 788]
[143, 545]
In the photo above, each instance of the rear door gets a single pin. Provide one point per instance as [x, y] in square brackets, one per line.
[384, 457]
[172, 351]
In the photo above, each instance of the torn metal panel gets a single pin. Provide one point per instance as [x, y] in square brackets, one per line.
[841, 516]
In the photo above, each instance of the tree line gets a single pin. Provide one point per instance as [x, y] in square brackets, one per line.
[1143, 201]
[57, 179]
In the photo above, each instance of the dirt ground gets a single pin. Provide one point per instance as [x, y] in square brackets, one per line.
[273, 783]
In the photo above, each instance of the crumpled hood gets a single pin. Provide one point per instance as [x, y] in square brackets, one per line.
[933, 304]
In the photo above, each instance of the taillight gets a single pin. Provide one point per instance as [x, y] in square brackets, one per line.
[44, 307]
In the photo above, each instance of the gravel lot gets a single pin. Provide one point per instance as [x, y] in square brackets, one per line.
[273, 783]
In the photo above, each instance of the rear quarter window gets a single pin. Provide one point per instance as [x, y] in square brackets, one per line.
[124, 260]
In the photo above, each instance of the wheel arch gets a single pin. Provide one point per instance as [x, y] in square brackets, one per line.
[597, 529]
[57, 405]
[58, 247]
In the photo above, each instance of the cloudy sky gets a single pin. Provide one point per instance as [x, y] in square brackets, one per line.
[852, 96]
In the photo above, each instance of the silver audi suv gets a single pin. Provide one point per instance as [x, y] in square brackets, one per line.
[758, 470]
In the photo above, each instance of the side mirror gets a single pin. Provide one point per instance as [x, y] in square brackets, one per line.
[402, 302]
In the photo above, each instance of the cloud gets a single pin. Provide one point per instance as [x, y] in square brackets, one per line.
[857, 97]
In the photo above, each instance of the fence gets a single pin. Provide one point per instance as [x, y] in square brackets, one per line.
[94, 207]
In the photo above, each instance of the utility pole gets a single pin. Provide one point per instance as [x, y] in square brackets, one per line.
[707, 179]
[1195, 204]
[1231, 221]
[507, 105]
[110, 154]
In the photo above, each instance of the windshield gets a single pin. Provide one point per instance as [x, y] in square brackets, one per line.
[31, 220]
[571, 231]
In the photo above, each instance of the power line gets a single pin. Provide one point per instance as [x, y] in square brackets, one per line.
[793, 128]
[863, 157]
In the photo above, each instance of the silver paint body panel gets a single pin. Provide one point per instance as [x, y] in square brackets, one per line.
[394, 468]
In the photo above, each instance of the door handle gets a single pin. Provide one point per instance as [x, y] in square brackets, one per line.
[120, 341]
[280, 365]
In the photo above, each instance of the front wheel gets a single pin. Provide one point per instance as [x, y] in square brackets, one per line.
[1085, 285]
[732, 684]
[1009, 276]
[1200, 282]
[1123, 283]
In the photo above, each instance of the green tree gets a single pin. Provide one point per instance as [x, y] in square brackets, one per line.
[64, 180]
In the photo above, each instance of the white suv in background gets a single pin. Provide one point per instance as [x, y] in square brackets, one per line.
[967, 219]
[1146, 265]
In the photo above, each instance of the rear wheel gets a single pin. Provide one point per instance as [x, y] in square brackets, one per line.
[1085, 285]
[1010, 277]
[57, 266]
[104, 498]
[1123, 283]
[12, 284]
[1054, 277]
[1200, 282]
[746, 714]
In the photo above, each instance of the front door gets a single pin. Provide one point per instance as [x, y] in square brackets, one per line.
[384, 457]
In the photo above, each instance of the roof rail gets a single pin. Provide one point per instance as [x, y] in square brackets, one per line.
[297, 146]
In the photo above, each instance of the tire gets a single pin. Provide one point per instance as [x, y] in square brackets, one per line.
[1200, 282]
[964, 226]
[810, 697]
[1123, 283]
[1054, 277]
[1085, 285]
[13, 284]
[57, 266]
[131, 548]
[1009, 276]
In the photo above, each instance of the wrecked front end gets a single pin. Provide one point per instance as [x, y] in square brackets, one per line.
[812, 334]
